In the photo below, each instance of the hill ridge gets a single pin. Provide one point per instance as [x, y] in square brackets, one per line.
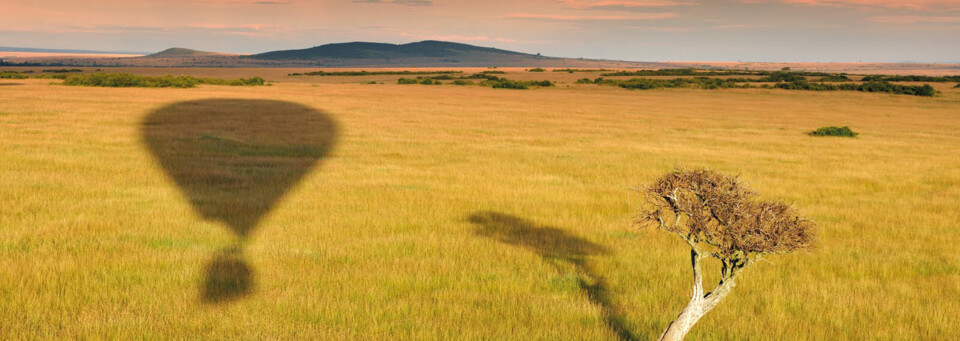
[181, 52]
[369, 50]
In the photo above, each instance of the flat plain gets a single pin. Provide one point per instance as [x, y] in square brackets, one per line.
[448, 212]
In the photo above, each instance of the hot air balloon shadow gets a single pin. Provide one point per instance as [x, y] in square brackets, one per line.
[233, 159]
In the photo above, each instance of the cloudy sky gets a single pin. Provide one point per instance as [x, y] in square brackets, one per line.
[642, 30]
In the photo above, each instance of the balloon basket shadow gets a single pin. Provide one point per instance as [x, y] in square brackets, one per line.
[229, 277]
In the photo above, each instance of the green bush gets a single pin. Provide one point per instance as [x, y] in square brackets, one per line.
[486, 80]
[834, 131]
[504, 83]
[568, 70]
[63, 70]
[255, 81]
[908, 78]
[913, 90]
[373, 73]
[483, 75]
[536, 70]
[697, 82]
[835, 78]
[781, 76]
[53, 76]
[126, 80]
[12, 75]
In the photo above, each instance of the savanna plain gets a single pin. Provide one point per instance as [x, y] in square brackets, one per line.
[464, 212]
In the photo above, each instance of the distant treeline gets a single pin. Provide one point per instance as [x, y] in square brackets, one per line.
[13, 75]
[699, 72]
[581, 70]
[485, 80]
[932, 79]
[680, 72]
[794, 84]
[26, 74]
[781, 76]
[872, 86]
[62, 70]
[54, 76]
[125, 80]
[6, 63]
[373, 73]
[648, 83]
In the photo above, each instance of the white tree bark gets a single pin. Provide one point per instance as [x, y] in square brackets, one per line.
[699, 303]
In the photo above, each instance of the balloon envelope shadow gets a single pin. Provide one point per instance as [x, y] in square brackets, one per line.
[234, 159]
[557, 247]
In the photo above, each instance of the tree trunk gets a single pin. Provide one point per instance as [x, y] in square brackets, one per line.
[699, 304]
[679, 328]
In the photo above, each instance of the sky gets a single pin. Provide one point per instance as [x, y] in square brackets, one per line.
[636, 30]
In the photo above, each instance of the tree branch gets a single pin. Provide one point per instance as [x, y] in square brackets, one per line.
[697, 275]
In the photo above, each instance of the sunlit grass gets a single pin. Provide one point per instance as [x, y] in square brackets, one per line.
[96, 241]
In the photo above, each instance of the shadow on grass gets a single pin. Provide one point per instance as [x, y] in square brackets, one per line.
[557, 247]
[5, 84]
[234, 159]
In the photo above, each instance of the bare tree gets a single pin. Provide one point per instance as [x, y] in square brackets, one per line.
[718, 217]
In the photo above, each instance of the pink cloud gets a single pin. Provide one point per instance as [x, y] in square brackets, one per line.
[663, 29]
[552, 17]
[253, 27]
[917, 5]
[737, 26]
[248, 2]
[577, 4]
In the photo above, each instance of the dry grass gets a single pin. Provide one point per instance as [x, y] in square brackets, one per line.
[464, 212]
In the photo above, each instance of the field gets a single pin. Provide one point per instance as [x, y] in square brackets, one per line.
[460, 212]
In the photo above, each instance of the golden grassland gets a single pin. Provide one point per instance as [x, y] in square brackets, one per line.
[463, 212]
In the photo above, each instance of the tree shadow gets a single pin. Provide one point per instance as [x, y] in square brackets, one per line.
[557, 247]
[234, 159]
[6, 84]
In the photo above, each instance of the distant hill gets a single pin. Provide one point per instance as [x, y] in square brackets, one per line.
[177, 52]
[428, 53]
[383, 51]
